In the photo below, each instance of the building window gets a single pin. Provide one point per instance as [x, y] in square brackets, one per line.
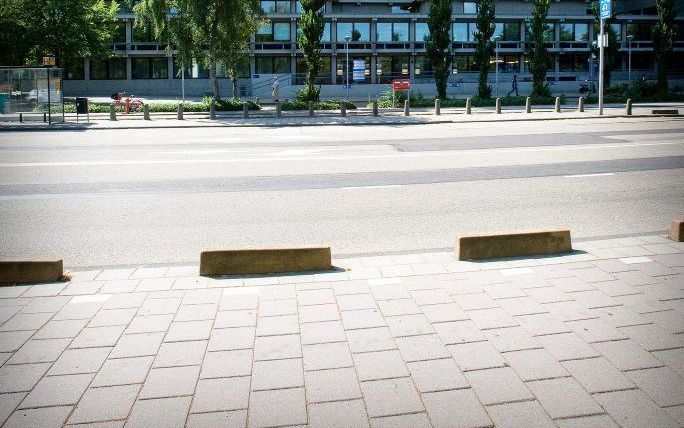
[279, 6]
[358, 31]
[324, 76]
[74, 70]
[507, 31]
[114, 68]
[617, 29]
[392, 32]
[192, 71]
[298, 7]
[273, 32]
[392, 67]
[143, 35]
[422, 32]
[464, 31]
[507, 63]
[342, 77]
[119, 35]
[464, 64]
[570, 32]
[549, 34]
[272, 64]
[573, 62]
[326, 32]
[422, 68]
[641, 31]
[149, 68]
[469, 8]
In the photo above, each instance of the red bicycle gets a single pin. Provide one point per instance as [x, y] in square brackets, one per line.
[127, 104]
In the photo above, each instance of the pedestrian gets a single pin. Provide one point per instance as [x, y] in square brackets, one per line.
[275, 93]
[514, 86]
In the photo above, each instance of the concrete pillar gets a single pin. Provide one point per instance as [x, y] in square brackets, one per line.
[311, 109]
[245, 111]
[437, 107]
[498, 106]
[374, 69]
[469, 106]
[580, 105]
[628, 107]
[333, 69]
[406, 108]
[557, 107]
[129, 69]
[169, 67]
[375, 108]
[212, 110]
[278, 110]
[112, 112]
[86, 69]
[146, 112]
[179, 114]
[528, 105]
[343, 110]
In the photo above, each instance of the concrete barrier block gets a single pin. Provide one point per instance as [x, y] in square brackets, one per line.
[23, 271]
[677, 230]
[265, 260]
[512, 244]
[665, 111]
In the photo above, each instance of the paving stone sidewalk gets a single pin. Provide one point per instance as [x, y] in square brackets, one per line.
[591, 339]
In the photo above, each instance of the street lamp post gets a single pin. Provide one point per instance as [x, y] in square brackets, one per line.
[629, 61]
[346, 63]
[496, 62]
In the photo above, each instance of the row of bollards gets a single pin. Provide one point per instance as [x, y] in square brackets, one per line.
[343, 108]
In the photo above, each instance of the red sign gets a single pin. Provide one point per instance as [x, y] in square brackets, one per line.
[401, 84]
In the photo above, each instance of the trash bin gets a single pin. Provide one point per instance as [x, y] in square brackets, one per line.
[4, 101]
[81, 105]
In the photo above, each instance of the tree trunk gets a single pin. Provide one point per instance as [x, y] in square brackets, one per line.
[214, 78]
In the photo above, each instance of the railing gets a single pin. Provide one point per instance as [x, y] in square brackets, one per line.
[355, 46]
[139, 47]
[272, 46]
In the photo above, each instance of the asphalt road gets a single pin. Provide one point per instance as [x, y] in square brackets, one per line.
[147, 197]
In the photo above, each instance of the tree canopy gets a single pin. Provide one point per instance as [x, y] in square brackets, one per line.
[485, 48]
[65, 29]
[664, 37]
[539, 54]
[439, 24]
[312, 27]
[206, 31]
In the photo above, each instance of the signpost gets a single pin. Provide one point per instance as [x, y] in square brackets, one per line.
[605, 12]
[401, 85]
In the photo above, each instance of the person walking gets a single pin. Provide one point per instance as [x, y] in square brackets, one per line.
[514, 86]
[275, 93]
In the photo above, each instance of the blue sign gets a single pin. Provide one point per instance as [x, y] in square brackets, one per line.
[606, 9]
[359, 70]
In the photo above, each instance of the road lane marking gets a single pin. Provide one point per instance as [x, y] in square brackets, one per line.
[459, 153]
[600, 174]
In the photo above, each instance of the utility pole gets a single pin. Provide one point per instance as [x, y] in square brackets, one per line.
[605, 12]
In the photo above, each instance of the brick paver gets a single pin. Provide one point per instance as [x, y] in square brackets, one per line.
[592, 339]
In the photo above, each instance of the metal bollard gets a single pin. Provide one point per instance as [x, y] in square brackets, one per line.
[179, 115]
[469, 106]
[279, 112]
[498, 106]
[21, 118]
[628, 107]
[311, 109]
[406, 108]
[528, 105]
[438, 106]
[112, 112]
[212, 110]
[256, 101]
[343, 110]
[557, 106]
[146, 112]
[45, 116]
[580, 105]
[375, 108]
[245, 111]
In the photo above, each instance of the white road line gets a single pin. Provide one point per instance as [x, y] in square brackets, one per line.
[458, 153]
[602, 174]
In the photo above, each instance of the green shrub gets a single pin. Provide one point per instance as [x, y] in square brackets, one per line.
[320, 105]
[385, 101]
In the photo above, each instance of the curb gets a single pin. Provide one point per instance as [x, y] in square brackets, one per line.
[76, 127]
[512, 244]
[265, 260]
[25, 271]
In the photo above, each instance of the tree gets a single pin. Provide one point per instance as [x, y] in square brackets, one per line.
[539, 54]
[66, 29]
[485, 48]
[611, 54]
[312, 26]
[664, 36]
[203, 30]
[439, 24]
